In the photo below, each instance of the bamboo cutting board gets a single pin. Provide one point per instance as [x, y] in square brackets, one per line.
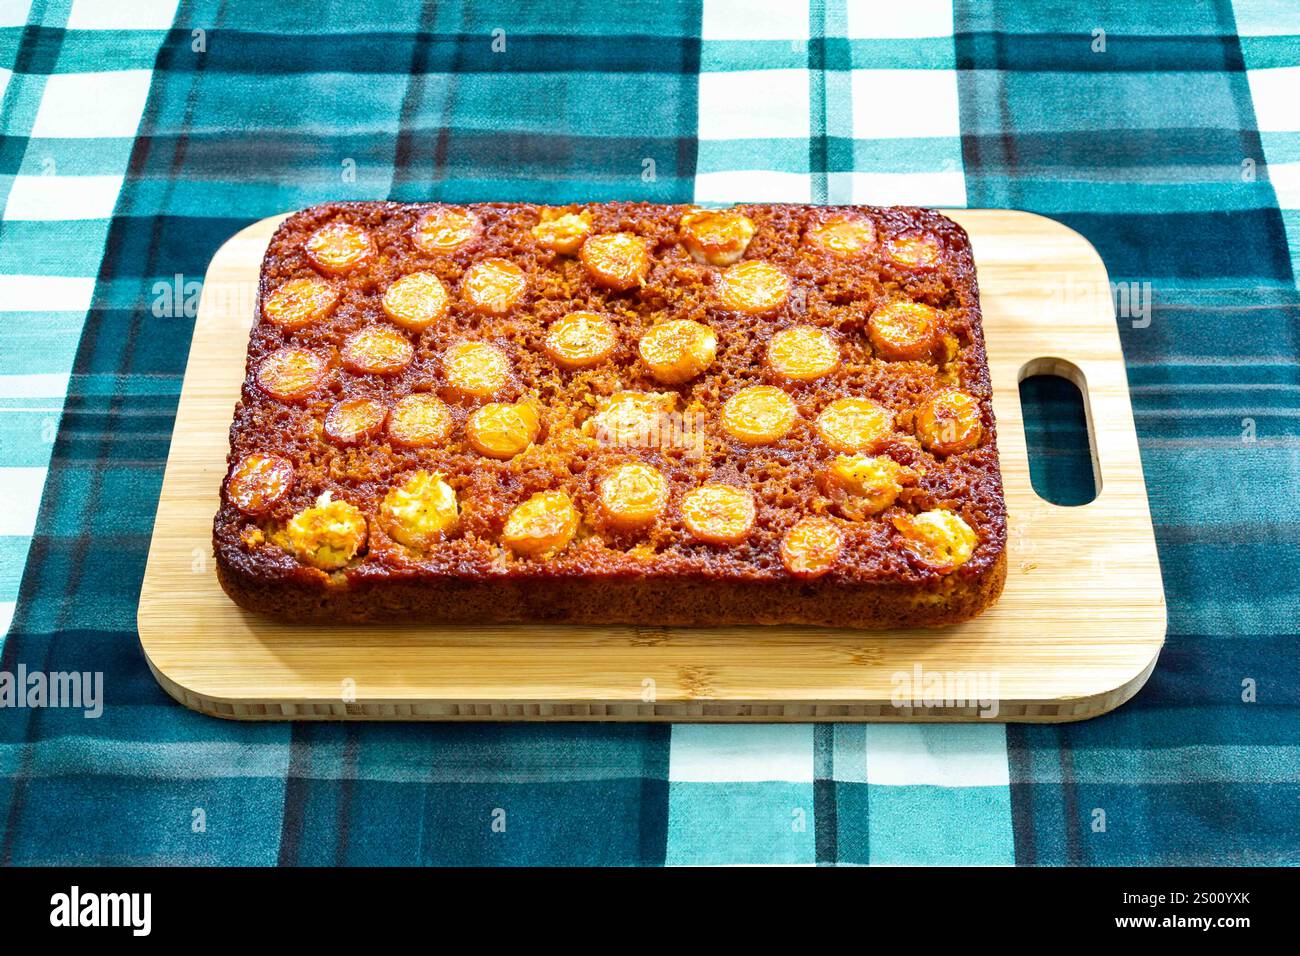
[1075, 634]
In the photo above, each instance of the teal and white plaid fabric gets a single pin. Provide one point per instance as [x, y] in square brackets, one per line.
[137, 135]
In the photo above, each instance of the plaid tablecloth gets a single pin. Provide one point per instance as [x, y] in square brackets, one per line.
[138, 136]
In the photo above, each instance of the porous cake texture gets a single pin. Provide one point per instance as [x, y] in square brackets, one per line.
[615, 413]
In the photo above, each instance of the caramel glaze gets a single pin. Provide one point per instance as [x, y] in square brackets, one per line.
[834, 293]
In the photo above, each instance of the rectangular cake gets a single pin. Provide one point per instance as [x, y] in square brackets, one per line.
[615, 413]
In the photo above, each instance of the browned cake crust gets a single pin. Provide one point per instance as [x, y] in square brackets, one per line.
[902, 485]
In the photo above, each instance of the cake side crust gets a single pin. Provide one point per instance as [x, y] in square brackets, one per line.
[630, 601]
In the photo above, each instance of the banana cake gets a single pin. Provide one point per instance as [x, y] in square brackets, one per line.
[615, 413]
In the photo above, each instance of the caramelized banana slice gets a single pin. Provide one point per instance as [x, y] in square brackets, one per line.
[376, 350]
[759, 415]
[855, 424]
[327, 535]
[259, 481]
[475, 370]
[445, 229]
[904, 331]
[716, 237]
[940, 538]
[300, 302]
[861, 486]
[753, 287]
[419, 512]
[562, 230]
[290, 374]
[494, 286]
[617, 261]
[418, 421]
[678, 350]
[812, 547]
[580, 340]
[631, 419]
[949, 422]
[542, 526]
[633, 495]
[914, 251]
[416, 301]
[502, 431]
[803, 353]
[845, 236]
[354, 420]
[339, 248]
[719, 514]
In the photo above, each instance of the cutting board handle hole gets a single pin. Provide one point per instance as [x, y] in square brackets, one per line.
[1063, 467]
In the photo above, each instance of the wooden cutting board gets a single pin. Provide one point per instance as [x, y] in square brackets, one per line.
[1075, 634]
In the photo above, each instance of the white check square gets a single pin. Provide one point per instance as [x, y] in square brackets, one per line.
[753, 185]
[754, 20]
[1273, 91]
[122, 14]
[754, 104]
[897, 104]
[873, 20]
[722, 753]
[948, 755]
[46, 198]
[83, 105]
[20, 499]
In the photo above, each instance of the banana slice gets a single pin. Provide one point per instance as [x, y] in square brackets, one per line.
[419, 420]
[300, 302]
[475, 369]
[290, 374]
[354, 420]
[861, 485]
[633, 495]
[376, 350]
[845, 236]
[812, 547]
[851, 425]
[914, 251]
[719, 514]
[420, 512]
[753, 287]
[803, 353]
[562, 230]
[949, 422]
[339, 248]
[444, 230]
[416, 301]
[494, 286]
[716, 237]
[259, 481]
[759, 415]
[502, 431]
[327, 535]
[678, 350]
[542, 526]
[617, 261]
[904, 331]
[580, 340]
[940, 538]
